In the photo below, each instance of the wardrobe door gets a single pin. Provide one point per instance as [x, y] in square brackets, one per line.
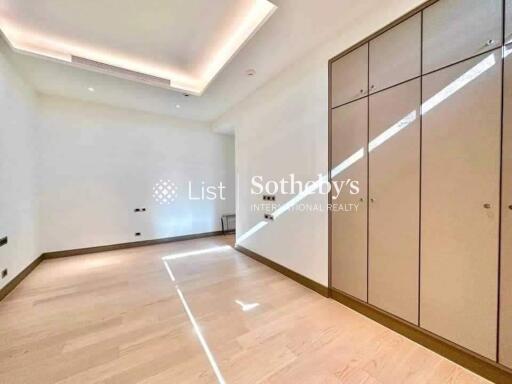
[460, 196]
[349, 226]
[394, 187]
[395, 56]
[508, 21]
[349, 76]
[506, 221]
[454, 30]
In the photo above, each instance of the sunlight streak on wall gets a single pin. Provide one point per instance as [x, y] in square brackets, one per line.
[427, 106]
[251, 231]
[392, 131]
[307, 191]
[458, 84]
[507, 50]
[347, 162]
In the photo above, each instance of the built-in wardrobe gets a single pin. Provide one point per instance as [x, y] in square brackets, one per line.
[421, 117]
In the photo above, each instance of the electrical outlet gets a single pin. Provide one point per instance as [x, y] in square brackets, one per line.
[5, 272]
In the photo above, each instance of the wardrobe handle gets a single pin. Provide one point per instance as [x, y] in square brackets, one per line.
[487, 44]
[372, 200]
[487, 206]
[510, 207]
[362, 200]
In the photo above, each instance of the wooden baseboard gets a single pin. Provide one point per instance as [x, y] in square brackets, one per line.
[469, 360]
[9, 287]
[114, 247]
[307, 282]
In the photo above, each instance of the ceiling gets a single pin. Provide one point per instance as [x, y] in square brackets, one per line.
[295, 27]
[184, 43]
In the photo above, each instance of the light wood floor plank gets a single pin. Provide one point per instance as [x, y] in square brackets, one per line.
[117, 317]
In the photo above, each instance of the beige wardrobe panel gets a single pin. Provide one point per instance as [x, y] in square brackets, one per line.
[349, 228]
[506, 223]
[349, 76]
[395, 56]
[460, 198]
[454, 30]
[508, 21]
[394, 187]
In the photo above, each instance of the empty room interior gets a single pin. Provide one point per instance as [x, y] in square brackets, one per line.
[255, 191]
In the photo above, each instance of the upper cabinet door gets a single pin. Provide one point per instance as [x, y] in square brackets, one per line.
[461, 131]
[454, 30]
[506, 221]
[508, 22]
[349, 76]
[395, 56]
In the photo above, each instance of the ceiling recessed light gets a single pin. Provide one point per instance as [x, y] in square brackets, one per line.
[250, 72]
[90, 89]
[178, 106]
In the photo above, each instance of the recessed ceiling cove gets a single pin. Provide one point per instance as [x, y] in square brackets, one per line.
[177, 44]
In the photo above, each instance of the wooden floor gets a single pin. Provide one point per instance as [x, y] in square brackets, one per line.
[118, 317]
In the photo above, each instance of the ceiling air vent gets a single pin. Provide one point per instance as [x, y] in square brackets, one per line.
[121, 72]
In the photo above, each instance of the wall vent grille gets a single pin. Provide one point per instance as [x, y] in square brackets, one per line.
[126, 73]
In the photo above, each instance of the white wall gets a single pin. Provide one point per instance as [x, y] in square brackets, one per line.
[282, 128]
[98, 163]
[71, 173]
[18, 177]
